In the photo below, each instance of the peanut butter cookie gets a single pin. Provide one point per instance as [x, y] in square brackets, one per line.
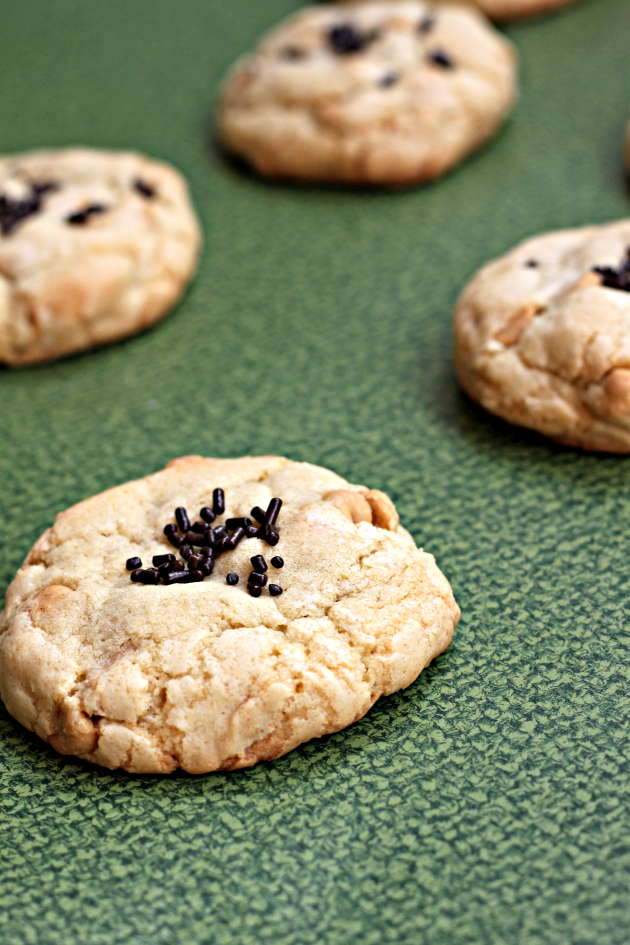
[136, 637]
[371, 93]
[542, 336]
[94, 246]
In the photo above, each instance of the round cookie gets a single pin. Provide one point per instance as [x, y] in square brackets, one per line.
[542, 336]
[94, 246]
[213, 674]
[375, 93]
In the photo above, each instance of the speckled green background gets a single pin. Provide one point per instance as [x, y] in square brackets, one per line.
[490, 802]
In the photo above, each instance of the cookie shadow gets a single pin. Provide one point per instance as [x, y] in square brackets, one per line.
[111, 349]
[454, 410]
[241, 171]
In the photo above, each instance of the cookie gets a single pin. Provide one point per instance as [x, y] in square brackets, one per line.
[375, 93]
[542, 336]
[502, 10]
[94, 246]
[120, 645]
[518, 9]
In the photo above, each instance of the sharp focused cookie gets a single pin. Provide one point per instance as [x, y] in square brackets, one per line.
[136, 636]
[94, 246]
[542, 336]
[375, 93]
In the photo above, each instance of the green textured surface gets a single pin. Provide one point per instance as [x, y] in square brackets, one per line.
[490, 802]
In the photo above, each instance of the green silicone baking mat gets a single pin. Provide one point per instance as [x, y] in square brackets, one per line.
[490, 801]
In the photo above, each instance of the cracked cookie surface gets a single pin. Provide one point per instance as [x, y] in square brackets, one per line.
[94, 246]
[203, 676]
[374, 93]
[542, 336]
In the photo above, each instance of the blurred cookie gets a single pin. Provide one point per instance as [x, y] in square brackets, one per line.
[518, 9]
[542, 336]
[371, 93]
[514, 9]
[94, 246]
[137, 638]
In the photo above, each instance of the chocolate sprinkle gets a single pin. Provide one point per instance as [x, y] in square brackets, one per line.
[532, 264]
[225, 545]
[182, 519]
[259, 563]
[275, 590]
[256, 578]
[233, 523]
[194, 538]
[345, 39]
[78, 219]
[389, 79]
[194, 561]
[145, 190]
[148, 576]
[292, 53]
[268, 531]
[13, 212]
[616, 278]
[218, 502]
[200, 545]
[439, 58]
[163, 559]
[233, 541]
[177, 577]
[277, 561]
[273, 510]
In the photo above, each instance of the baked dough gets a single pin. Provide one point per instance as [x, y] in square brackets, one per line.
[542, 336]
[94, 246]
[372, 93]
[204, 676]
